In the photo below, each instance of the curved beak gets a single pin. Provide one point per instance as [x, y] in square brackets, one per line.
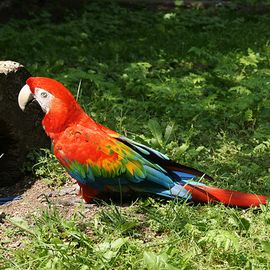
[25, 96]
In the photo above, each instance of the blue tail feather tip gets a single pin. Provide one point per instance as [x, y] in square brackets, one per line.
[9, 199]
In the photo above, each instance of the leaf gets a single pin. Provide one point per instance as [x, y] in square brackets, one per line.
[156, 262]
[200, 148]
[168, 16]
[110, 249]
[196, 79]
[155, 129]
[262, 147]
[222, 239]
[168, 133]
[52, 263]
[183, 148]
[249, 115]
[266, 246]
[84, 267]
[21, 223]
[252, 59]
[55, 241]
[240, 90]
[178, 3]
[145, 65]
[118, 243]
[197, 51]
[242, 223]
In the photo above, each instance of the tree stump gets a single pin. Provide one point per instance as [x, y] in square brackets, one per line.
[19, 131]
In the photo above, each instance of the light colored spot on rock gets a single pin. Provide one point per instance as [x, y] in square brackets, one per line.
[9, 66]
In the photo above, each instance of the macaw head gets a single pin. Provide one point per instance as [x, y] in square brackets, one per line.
[46, 92]
[54, 99]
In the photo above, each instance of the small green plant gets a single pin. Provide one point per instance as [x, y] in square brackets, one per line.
[113, 218]
[159, 140]
[49, 169]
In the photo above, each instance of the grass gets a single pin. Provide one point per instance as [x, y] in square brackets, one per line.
[146, 235]
[191, 83]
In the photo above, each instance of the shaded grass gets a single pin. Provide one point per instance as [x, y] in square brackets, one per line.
[191, 83]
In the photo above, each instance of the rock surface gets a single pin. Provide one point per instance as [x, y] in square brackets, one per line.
[19, 131]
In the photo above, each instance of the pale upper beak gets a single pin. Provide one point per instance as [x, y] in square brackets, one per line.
[25, 96]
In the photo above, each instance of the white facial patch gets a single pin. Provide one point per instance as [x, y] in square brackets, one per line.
[44, 98]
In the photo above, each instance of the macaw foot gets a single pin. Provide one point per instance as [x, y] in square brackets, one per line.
[87, 193]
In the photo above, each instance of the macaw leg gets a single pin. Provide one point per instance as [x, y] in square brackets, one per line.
[87, 193]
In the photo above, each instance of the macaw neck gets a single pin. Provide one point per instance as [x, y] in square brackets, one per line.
[59, 118]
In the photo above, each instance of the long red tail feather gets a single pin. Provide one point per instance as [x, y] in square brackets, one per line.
[206, 194]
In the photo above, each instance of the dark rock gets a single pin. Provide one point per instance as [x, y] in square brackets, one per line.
[68, 191]
[2, 217]
[19, 131]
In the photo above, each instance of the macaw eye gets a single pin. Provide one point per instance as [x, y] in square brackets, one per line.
[43, 94]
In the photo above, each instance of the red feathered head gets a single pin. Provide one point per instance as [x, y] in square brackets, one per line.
[55, 100]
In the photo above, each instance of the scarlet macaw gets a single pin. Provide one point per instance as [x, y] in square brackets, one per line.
[102, 160]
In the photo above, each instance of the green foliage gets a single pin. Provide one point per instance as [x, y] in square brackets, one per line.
[154, 261]
[48, 168]
[117, 221]
[169, 236]
[192, 83]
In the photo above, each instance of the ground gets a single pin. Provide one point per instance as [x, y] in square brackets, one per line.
[35, 195]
